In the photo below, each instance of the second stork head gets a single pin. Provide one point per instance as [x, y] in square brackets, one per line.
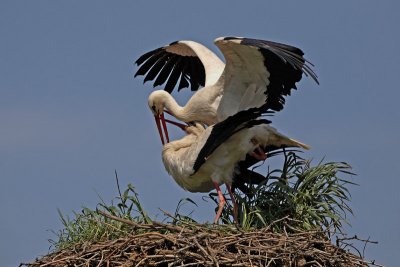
[156, 103]
[159, 102]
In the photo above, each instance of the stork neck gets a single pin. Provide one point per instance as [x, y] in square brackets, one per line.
[176, 110]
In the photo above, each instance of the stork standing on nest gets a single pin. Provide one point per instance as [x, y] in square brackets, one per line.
[208, 157]
[257, 73]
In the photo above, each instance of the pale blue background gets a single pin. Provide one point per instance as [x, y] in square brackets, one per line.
[71, 111]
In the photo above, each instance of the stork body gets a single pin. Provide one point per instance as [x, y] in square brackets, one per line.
[257, 73]
[255, 79]
[179, 156]
[207, 157]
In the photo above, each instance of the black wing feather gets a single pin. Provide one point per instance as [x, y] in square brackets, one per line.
[245, 176]
[166, 71]
[168, 67]
[197, 71]
[173, 78]
[155, 69]
[225, 129]
[148, 64]
[286, 66]
[147, 55]
[183, 82]
[195, 74]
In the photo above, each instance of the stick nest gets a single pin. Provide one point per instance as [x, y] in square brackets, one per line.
[160, 244]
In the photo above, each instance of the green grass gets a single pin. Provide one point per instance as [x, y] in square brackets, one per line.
[309, 196]
[295, 196]
[90, 226]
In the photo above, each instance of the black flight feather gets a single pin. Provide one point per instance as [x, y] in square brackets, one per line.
[183, 82]
[173, 78]
[156, 68]
[149, 63]
[168, 67]
[145, 56]
[225, 129]
[166, 71]
[286, 66]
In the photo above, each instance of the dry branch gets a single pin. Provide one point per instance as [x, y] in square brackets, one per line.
[205, 245]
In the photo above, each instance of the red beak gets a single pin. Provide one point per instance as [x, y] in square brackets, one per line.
[164, 125]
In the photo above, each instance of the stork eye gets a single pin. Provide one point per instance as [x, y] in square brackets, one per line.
[153, 108]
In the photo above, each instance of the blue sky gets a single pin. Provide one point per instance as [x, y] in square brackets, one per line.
[71, 112]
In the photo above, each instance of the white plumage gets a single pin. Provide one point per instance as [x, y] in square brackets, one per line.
[182, 160]
[257, 76]
[212, 64]
[180, 155]
[256, 73]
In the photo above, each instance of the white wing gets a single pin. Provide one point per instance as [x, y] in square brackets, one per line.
[258, 72]
[188, 60]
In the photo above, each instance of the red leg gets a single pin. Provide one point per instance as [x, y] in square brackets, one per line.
[235, 206]
[180, 125]
[221, 202]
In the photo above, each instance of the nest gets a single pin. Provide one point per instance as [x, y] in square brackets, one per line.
[160, 244]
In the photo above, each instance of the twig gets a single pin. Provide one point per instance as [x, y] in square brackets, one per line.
[213, 247]
[128, 222]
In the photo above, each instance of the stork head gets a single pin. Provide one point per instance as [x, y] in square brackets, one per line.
[156, 102]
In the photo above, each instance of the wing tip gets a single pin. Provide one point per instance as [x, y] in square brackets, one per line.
[173, 43]
[227, 39]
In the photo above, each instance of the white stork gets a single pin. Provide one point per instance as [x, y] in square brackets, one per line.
[207, 157]
[256, 72]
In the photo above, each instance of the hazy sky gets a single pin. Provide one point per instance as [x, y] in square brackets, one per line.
[71, 112]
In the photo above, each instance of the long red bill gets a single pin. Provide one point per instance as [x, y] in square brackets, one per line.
[159, 129]
[164, 126]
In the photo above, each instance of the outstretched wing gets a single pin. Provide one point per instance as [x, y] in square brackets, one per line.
[259, 72]
[186, 61]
